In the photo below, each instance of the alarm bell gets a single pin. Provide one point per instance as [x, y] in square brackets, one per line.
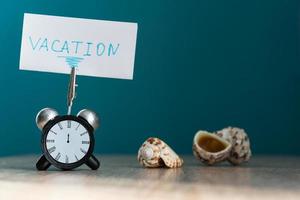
[44, 116]
[90, 116]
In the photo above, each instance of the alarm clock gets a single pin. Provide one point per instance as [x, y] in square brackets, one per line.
[67, 141]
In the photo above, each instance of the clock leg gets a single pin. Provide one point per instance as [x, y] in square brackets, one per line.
[93, 163]
[42, 163]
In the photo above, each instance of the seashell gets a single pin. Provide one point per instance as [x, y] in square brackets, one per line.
[210, 148]
[149, 154]
[156, 153]
[241, 151]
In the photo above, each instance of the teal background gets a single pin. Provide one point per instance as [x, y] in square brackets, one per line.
[203, 64]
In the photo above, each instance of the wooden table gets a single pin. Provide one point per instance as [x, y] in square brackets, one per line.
[121, 177]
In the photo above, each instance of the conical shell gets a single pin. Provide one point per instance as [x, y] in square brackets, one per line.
[240, 151]
[156, 153]
[210, 148]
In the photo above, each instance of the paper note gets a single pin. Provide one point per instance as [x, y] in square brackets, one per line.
[95, 47]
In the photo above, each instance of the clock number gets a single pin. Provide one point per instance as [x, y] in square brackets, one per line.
[57, 156]
[77, 127]
[85, 142]
[60, 126]
[53, 132]
[82, 150]
[69, 124]
[67, 159]
[50, 141]
[83, 133]
[52, 149]
[76, 157]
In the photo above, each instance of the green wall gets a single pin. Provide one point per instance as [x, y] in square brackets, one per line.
[202, 64]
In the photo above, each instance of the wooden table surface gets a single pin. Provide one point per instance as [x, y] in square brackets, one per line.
[121, 177]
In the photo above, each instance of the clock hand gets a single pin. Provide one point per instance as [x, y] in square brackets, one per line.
[68, 140]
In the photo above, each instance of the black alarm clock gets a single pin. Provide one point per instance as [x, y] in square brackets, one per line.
[67, 141]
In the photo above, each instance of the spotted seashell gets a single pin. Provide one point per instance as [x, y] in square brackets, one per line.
[170, 158]
[149, 153]
[241, 151]
[156, 153]
[210, 148]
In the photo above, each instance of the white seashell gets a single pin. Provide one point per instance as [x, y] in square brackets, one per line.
[210, 148]
[156, 153]
[241, 151]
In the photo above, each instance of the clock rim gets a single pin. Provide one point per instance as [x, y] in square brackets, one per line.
[46, 130]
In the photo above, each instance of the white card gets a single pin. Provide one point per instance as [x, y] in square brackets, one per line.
[96, 47]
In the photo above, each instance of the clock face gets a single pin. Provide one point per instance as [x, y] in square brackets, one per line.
[68, 141]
